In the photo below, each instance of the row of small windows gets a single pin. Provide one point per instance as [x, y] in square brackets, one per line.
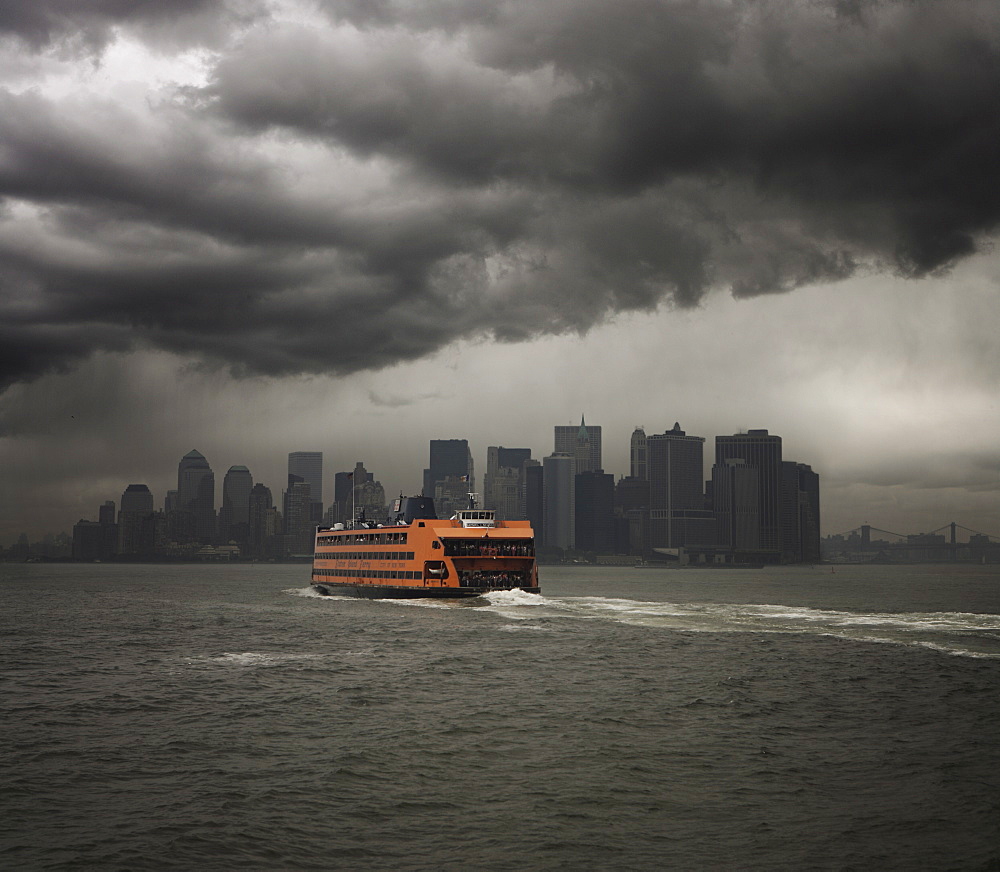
[489, 547]
[366, 573]
[364, 555]
[355, 538]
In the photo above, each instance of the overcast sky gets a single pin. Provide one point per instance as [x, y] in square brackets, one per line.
[259, 226]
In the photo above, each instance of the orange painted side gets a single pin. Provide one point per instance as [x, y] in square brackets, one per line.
[425, 541]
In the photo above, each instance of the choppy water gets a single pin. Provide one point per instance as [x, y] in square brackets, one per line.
[184, 717]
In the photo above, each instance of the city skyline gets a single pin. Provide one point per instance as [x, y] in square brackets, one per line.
[354, 228]
[688, 501]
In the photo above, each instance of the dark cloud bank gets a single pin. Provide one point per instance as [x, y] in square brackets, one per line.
[500, 170]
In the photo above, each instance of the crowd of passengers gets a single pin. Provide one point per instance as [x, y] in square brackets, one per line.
[488, 548]
[492, 580]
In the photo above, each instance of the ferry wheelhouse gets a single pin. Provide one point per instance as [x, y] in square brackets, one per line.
[416, 554]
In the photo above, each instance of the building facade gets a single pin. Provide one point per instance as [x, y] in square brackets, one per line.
[678, 517]
[759, 450]
[559, 501]
[234, 516]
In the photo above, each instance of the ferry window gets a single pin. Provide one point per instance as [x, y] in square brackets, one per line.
[435, 545]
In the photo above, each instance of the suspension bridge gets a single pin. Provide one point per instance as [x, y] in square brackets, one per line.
[949, 542]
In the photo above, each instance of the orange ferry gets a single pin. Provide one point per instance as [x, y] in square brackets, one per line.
[416, 554]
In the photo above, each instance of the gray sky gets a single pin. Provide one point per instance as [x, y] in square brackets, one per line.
[255, 227]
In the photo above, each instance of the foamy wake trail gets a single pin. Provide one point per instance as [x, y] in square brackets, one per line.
[966, 634]
[252, 658]
[515, 597]
[312, 593]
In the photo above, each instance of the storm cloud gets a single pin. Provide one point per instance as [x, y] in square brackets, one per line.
[348, 188]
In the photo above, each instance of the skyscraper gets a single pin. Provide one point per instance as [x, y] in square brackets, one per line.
[262, 522]
[136, 506]
[502, 484]
[234, 516]
[196, 494]
[533, 497]
[559, 501]
[759, 450]
[583, 443]
[799, 513]
[450, 474]
[308, 465]
[736, 502]
[594, 513]
[638, 467]
[297, 512]
[677, 514]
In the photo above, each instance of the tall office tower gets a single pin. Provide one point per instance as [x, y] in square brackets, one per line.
[449, 459]
[369, 495]
[297, 512]
[594, 510]
[136, 504]
[632, 514]
[170, 502]
[736, 502]
[136, 498]
[109, 530]
[87, 540]
[502, 482]
[308, 465]
[261, 520]
[531, 497]
[638, 467]
[559, 501]
[234, 516]
[763, 452]
[799, 513]
[583, 443]
[196, 494]
[344, 498]
[677, 514]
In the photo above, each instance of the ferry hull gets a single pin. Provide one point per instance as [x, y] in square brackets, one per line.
[378, 591]
[468, 555]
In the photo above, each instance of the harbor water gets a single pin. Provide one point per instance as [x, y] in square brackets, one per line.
[224, 717]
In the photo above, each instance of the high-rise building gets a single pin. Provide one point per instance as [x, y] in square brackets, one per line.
[297, 513]
[196, 494]
[594, 522]
[800, 513]
[502, 484]
[87, 540]
[308, 465]
[234, 516]
[450, 475]
[638, 467]
[107, 518]
[369, 495]
[136, 506]
[583, 443]
[532, 497]
[559, 501]
[262, 519]
[736, 502]
[677, 514]
[762, 451]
